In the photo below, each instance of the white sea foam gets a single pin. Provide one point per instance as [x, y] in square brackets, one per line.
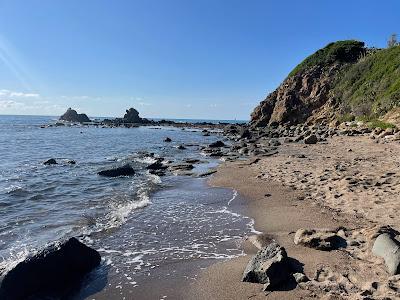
[13, 188]
[120, 212]
[235, 193]
[145, 160]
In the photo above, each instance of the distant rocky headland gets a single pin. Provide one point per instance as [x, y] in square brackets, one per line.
[130, 119]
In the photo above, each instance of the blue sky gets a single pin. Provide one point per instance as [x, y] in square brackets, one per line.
[209, 59]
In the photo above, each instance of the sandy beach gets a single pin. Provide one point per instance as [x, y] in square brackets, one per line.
[347, 182]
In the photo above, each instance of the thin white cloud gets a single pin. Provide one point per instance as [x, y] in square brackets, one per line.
[14, 94]
[144, 104]
[7, 104]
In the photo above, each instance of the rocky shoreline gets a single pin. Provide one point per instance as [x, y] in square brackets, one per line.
[324, 197]
[330, 204]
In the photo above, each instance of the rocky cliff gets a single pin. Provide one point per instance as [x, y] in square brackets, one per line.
[306, 94]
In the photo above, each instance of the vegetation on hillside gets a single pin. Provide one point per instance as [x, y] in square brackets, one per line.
[341, 51]
[371, 87]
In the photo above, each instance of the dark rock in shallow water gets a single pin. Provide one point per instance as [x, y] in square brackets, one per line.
[269, 266]
[181, 147]
[50, 161]
[156, 166]
[181, 167]
[167, 140]
[125, 170]
[72, 116]
[71, 162]
[54, 271]
[217, 144]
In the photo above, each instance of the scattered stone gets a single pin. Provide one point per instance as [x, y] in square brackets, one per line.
[192, 160]
[167, 140]
[245, 133]
[216, 144]
[53, 272]
[125, 170]
[71, 162]
[311, 139]
[181, 147]
[181, 167]
[300, 277]
[156, 166]
[208, 173]
[50, 161]
[321, 239]
[269, 266]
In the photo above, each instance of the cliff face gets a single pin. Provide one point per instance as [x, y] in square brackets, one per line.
[298, 98]
[305, 95]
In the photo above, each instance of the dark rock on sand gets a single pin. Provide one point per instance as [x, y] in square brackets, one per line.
[269, 266]
[72, 116]
[50, 161]
[53, 272]
[311, 139]
[125, 170]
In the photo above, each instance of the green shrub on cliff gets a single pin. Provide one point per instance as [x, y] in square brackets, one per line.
[372, 85]
[341, 51]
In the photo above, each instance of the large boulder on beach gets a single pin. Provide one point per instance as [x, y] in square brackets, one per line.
[389, 249]
[72, 116]
[269, 266]
[125, 170]
[53, 272]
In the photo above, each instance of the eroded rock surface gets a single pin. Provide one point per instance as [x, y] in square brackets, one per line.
[269, 266]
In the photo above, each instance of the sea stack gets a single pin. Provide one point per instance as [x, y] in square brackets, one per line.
[72, 116]
[132, 116]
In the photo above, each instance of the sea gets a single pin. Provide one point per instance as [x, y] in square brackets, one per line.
[141, 225]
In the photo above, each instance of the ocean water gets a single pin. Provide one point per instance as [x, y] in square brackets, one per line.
[138, 224]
